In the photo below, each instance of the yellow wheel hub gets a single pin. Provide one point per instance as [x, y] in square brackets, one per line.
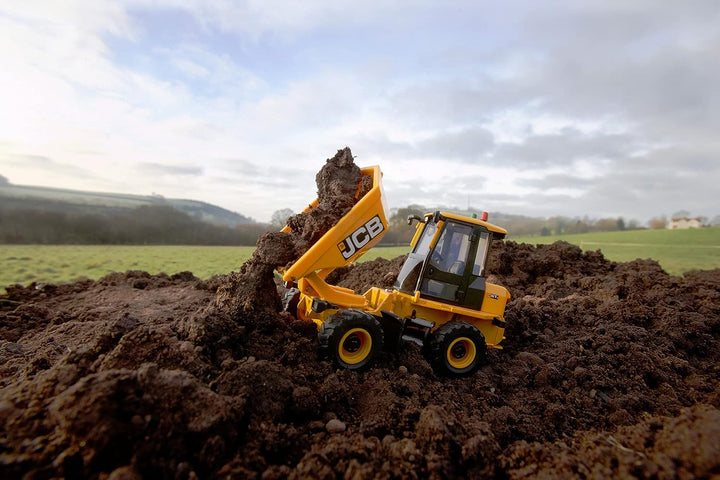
[461, 353]
[355, 346]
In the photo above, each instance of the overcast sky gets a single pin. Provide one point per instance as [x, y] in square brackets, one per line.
[598, 108]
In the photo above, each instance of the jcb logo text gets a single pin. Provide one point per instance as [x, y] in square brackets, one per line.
[360, 237]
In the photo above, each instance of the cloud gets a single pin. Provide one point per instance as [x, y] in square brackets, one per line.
[42, 167]
[258, 18]
[468, 144]
[549, 182]
[33, 161]
[652, 65]
[565, 148]
[39, 170]
[155, 169]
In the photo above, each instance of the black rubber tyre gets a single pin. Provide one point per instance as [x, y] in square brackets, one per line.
[351, 338]
[290, 301]
[456, 349]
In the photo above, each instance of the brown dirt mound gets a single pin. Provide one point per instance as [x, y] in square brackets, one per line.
[659, 447]
[609, 370]
[360, 277]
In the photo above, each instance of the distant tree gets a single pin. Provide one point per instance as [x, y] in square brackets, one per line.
[658, 223]
[715, 221]
[577, 226]
[4, 180]
[399, 233]
[517, 224]
[401, 214]
[279, 218]
[558, 224]
[632, 224]
[545, 232]
[620, 224]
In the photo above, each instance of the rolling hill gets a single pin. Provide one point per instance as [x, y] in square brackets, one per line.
[81, 202]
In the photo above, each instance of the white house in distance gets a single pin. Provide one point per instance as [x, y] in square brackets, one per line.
[683, 223]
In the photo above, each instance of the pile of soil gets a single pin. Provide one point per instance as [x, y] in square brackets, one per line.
[608, 370]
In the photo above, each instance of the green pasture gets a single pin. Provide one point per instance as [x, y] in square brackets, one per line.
[66, 263]
[25, 264]
[677, 251]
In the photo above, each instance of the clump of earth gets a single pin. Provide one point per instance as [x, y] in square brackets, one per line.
[340, 185]
[608, 370]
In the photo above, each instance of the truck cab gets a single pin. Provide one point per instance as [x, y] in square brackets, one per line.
[447, 262]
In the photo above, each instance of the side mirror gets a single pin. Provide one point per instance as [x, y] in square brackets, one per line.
[414, 217]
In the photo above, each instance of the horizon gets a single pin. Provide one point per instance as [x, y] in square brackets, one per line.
[604, 109]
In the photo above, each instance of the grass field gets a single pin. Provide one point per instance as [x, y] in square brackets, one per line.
[677, 251]
[25, 264]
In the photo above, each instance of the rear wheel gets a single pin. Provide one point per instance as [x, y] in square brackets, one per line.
[457, 349]
[351, 339]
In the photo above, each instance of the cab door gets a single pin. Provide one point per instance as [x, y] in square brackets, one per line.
[475, 276]
[444, 274]
[455, 272]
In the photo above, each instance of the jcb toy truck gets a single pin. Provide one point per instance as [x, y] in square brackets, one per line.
[441, 300]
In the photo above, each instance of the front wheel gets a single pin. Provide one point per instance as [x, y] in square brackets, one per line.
[351, 338]
[290, 301]
[457, 349]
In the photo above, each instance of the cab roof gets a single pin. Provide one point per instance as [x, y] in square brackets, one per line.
[470, 220]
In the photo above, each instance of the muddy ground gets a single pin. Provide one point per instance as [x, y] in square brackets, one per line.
[609, 370]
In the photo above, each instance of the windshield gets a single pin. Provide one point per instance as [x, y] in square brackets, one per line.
[408, 277]
[423, 244]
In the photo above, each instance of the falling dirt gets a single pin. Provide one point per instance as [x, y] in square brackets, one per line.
[608, 370]
[340, 186]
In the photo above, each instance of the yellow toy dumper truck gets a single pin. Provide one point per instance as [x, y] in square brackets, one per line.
[440, 301]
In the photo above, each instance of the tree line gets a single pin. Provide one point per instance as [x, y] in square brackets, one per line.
[399, 233]
[143, 225]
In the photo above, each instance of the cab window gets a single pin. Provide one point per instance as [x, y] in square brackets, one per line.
[452, 249]
[481, 255]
